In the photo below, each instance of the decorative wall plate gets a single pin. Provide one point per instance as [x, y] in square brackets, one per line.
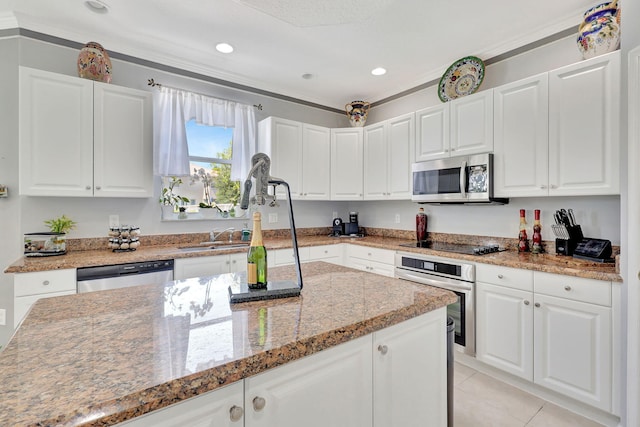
[462, 78]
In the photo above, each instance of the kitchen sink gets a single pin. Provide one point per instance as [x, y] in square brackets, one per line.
[213, 247]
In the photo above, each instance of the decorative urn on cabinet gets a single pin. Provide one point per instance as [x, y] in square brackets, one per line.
[94, 63]
[599, 32]
[357, 112]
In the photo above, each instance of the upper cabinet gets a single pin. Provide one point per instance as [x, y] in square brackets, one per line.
[557, 134]
[346, 163]
[584, 126]
[300, 155]
[83, 138]
[388, 155]
[460, 127]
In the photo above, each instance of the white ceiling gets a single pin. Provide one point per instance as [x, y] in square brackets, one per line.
[277, 41]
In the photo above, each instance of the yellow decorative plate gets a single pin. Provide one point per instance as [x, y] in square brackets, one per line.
[462, 78]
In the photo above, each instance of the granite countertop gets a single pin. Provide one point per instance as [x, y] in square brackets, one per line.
[99, 358]
[548, 262]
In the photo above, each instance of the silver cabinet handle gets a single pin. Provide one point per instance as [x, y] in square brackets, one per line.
[526, 302]
[567, 288]
[227, 263]
[500, 276]
[88, 187]
[234, 261]
[554, 186]
[543, 187]
[236, 413]
[383, 349]
[45, 283]
[98, 188]
[259, 403]
[537, 304]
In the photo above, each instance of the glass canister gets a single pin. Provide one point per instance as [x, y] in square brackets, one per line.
[421, 225]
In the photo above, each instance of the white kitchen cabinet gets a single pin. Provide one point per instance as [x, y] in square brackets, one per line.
[222, 407]
[372, 260]
[388, 155]
[347, 164]
[329, 388]
[558, 334]
[280, 257]
[185, 268]
[409, 372]
[584, 127]
[521, 138]
[333, 254]
[300, 155]
[456, 128]
[30, 287]
[83, 138]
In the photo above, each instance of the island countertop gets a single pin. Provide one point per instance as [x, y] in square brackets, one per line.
[100, 358]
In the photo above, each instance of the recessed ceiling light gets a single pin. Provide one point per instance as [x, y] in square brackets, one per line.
[97, 6]
[378, 71]
[224, 48]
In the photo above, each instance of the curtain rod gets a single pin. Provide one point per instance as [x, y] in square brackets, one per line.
[153, 83]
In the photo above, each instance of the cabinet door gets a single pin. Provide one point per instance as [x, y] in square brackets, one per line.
[573, 349]
[212, 409]
[472, 124]
[346, 164]
[56, 134]
[123, 144]
[237, 262]
[185, 268]
[521, 138]
[400, 148]
[504, 329]
[410, 373]
[316, 162]
[376, 162]
[432, 133]
[329, 388]
[281, 140]
[584, 126]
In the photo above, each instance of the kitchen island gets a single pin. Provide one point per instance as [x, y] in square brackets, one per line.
[101, 358]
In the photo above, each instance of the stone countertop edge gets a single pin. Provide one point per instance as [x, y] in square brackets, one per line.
[546, 262]
[88, 409]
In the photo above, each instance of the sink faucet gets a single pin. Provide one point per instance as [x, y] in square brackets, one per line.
[213, 235]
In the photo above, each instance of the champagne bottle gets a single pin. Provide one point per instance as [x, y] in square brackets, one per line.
[257, 257]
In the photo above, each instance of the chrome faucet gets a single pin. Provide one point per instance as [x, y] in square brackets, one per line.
[213, 235]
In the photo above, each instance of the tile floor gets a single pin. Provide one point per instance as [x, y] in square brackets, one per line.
[480, 400]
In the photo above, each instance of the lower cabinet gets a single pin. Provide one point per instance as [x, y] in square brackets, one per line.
[395, 377]
[372, 260]
[184, 268]
[558, 335]
[30, 287]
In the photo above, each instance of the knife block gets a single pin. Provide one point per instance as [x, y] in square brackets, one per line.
[567, 246]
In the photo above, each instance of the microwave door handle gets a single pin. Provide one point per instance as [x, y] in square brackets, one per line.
[463, 179]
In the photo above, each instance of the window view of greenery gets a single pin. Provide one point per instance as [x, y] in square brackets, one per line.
[210, 184]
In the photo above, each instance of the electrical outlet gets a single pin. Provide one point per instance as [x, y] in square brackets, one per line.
[273, 217]
[114, 221]
[397, 218]
[3, 317]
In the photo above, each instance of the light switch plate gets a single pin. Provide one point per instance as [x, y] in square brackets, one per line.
[397, 218]
[273, 217]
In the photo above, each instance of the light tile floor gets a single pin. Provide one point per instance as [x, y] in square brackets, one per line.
[480, 400]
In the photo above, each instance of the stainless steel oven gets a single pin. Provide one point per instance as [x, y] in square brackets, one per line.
[455, 276]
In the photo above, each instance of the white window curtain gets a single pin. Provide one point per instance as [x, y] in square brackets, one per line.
[174, 107]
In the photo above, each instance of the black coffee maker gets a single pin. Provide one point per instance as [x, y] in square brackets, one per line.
[341, 228]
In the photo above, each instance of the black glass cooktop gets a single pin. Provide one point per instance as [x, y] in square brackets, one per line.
[459, 248]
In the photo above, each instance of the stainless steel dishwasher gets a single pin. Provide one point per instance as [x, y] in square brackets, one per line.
[116, 276]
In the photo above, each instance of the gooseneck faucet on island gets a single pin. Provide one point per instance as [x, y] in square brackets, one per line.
[275, 289]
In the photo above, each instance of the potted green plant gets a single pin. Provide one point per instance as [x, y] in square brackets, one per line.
[169, 199]
[59, 228]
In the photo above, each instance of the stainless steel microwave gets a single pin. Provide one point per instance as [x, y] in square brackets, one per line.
[463, 179]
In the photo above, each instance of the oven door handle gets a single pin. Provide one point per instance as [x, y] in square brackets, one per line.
[462, 287]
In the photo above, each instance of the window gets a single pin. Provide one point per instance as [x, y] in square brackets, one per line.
[210, 157]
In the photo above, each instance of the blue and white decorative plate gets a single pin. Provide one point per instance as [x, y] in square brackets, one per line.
[462, 78]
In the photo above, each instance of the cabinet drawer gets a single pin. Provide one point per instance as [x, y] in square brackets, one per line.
[384, 256]
[574, 288]
[285, 256]
[44, 282]
[515, 278]
[325, 251]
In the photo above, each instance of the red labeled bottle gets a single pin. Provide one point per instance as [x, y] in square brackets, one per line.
[536, 239]
[523, 241]
[421, 225]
